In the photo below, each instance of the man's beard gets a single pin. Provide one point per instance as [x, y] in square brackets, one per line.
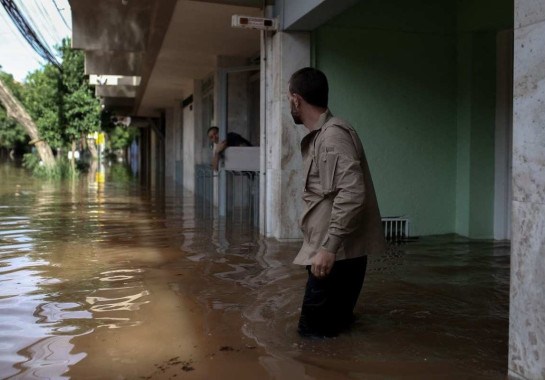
[295, 115]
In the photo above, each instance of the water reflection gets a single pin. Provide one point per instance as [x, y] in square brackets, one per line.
[59, 278]
[108, 280]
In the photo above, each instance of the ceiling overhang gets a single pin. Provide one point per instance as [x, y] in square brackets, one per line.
[307, 15]
[166, 43]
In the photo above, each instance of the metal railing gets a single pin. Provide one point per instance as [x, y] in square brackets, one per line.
[396, 229]
[204, 190]
[242, 194]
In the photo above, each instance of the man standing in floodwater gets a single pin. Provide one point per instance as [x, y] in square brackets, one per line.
[341, 223]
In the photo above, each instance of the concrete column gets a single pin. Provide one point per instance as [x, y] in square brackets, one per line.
[527, 307]
[154, 157]
[170, 147]
[178, 144]
[189, 145]
[173, 145]
[192, 137]
[281, 163]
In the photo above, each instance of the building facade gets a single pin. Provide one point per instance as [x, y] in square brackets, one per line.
[446, 96]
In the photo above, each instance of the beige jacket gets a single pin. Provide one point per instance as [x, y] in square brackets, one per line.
[341, 213]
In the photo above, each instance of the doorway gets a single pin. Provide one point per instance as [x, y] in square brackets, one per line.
[239, 113]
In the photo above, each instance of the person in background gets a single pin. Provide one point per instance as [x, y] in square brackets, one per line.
[233, 139]
[341, 223]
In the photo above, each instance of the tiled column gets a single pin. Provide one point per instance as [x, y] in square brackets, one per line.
[281, 165]
[527, 307]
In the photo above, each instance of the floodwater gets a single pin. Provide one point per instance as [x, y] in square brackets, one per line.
[110, 281]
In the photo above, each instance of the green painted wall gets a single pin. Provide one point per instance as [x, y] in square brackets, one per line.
[463, 158]
[477, 23]
[417, 80]
[476, 124]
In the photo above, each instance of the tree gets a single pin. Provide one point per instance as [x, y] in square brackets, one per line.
[120, 136]
[15, 110]
[62, 102]
[42, 97]
[11, 132]
[56, 108]
[80, 109]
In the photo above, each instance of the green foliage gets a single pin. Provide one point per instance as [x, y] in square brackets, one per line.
[121, 137]
[73, 65]
[42, 101]
[80, 108]
[15, 87]
[63, 106]
[61, 170]
[31, 161]
[11, 132]
[82, 113]
[120, 173]
[62, 103]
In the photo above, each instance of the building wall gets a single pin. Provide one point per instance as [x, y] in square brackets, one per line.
[238, 103]
[475, 139]
[417, 80]
[477, 30]
[395, 80]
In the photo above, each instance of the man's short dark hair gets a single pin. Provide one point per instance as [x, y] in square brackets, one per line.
[311, 85]
[212, 129]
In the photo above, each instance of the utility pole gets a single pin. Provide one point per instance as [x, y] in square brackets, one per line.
[16, 111]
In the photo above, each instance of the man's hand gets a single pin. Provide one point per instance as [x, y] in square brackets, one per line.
[322, 263]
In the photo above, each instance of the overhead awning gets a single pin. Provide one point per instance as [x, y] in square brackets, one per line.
[166, 43]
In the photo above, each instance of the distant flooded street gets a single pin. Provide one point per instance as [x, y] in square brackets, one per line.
[112, 281]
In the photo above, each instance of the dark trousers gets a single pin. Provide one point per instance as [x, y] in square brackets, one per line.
[328, 303]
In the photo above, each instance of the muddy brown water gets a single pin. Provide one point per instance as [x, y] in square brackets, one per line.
[111, 281]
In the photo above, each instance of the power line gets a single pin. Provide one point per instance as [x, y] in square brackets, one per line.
[18, 38]
[46, 25]
[28, 32]
[62, 16]
[27, 14]
[47, 22]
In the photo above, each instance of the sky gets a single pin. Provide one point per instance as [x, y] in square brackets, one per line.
[16, 55]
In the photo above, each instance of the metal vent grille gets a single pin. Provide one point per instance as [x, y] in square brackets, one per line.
[395, 228]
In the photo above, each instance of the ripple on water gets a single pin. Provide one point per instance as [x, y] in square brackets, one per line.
[51, 286]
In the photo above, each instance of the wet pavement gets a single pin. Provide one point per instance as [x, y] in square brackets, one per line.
[110, 281]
